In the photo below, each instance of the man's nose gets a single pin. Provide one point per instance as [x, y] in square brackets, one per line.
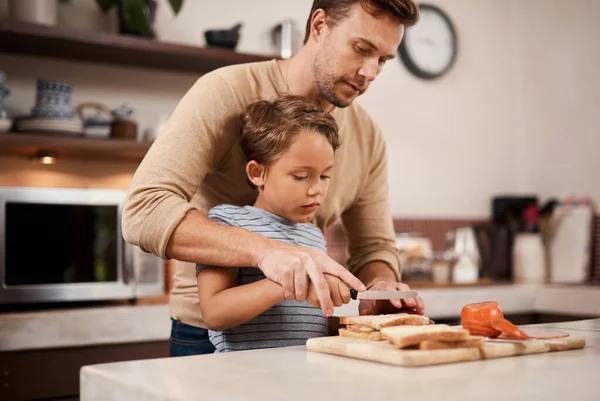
[369, 70]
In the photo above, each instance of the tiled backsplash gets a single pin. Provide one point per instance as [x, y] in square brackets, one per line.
[436, 229]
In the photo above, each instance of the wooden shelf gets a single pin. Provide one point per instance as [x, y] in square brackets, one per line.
[107, 48]
[72, 147]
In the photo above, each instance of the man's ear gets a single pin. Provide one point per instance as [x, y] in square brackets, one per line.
[318, 24]
[256, 173]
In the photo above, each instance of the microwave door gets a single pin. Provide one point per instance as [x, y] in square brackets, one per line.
[62, 245]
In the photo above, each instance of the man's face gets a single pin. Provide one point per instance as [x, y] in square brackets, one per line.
[352, 53]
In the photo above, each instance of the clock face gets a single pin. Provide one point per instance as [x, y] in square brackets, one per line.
[429, 48]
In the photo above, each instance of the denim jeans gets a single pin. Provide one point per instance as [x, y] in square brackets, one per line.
[188, 340]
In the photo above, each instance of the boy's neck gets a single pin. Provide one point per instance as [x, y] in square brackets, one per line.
[261, 204]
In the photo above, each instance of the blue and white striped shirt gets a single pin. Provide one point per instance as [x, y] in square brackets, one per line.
[287, 323]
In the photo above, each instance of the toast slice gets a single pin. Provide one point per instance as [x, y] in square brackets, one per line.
[365, 335]
[472, 342]
[406, 336]
[378, 321]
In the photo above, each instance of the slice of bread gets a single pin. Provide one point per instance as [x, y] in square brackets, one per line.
[373, 335]
[405, 336]
[472, 342]
[379, 321]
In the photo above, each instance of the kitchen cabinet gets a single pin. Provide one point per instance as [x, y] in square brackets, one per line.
[54, 373]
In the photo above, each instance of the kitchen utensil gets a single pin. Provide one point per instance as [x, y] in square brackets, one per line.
[385, 352]
[416, 253]
[529, 259]
[282, 38]
[227, 38]
[570, 241]
[372, 294]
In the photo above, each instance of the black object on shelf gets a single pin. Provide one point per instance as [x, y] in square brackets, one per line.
[227, 38]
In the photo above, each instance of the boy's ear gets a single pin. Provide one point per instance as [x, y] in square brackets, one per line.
[256, 173]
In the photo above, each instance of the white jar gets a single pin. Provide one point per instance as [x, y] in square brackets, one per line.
[529, 259]
[44, 12]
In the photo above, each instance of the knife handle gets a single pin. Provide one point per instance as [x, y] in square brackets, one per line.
[353, 293]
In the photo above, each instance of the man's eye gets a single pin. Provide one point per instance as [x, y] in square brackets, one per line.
[362, 50]
[300, 177]
[325, 177]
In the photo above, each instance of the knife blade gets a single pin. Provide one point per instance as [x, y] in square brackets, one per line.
[373, 294]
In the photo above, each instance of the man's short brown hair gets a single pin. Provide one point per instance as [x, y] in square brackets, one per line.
[405, 11]
[269, 127]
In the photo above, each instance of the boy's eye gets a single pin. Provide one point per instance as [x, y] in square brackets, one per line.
[325, 177]
[300, 177]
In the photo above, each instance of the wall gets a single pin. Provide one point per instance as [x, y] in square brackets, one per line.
[558, 138]
[514, 115]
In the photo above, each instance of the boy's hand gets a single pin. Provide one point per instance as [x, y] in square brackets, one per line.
[339, 291]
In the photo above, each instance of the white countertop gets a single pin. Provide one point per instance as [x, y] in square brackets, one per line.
[295, 374]
[130, 324]
[82, 327]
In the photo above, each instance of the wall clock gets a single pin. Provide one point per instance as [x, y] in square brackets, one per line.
[428, 49]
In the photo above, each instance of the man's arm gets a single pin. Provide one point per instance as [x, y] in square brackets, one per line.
[368, 222]
[372, 241]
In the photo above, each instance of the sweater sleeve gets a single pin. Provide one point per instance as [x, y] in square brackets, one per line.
[368, 221]
[195, 140]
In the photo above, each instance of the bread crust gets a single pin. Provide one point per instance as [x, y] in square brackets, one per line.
[405, 336]
[473, 342]
[373, 335]
[378, 321]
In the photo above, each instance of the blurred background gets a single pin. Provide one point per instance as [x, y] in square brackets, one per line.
[492, 138]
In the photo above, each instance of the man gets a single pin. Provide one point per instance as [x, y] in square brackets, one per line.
[197, 163]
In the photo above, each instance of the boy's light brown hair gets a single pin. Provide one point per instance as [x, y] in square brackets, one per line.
[405, 11]
[269, 127]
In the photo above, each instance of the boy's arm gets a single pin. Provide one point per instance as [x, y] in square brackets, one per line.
[225, 305]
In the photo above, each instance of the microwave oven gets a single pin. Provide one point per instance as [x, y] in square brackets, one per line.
[63, 245]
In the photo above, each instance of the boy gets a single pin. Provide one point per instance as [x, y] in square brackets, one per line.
[289, 145]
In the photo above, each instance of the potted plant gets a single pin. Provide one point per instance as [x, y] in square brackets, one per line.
[136, 17]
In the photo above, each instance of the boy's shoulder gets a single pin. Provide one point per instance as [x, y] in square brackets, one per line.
[226, 213]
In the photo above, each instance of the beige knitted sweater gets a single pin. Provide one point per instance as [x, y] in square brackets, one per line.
[197, 162]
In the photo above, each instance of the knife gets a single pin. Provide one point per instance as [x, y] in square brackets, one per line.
[372, 294]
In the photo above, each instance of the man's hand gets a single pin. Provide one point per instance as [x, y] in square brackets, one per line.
[293, 267]
[377, 307]
[339, 291]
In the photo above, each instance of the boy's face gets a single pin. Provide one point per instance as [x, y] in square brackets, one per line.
[352, 53]
[294, 185]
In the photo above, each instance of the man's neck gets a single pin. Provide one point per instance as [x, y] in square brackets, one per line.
[300, 79]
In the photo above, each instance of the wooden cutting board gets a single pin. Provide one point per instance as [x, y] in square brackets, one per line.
[385, 352]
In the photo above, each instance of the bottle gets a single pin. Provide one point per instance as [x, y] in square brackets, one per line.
[465, 270]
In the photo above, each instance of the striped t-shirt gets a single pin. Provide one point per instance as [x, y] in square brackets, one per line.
[287, 323]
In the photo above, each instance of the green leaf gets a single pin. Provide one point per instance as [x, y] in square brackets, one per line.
[176, 5]
[106, 5]
[135, 18]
